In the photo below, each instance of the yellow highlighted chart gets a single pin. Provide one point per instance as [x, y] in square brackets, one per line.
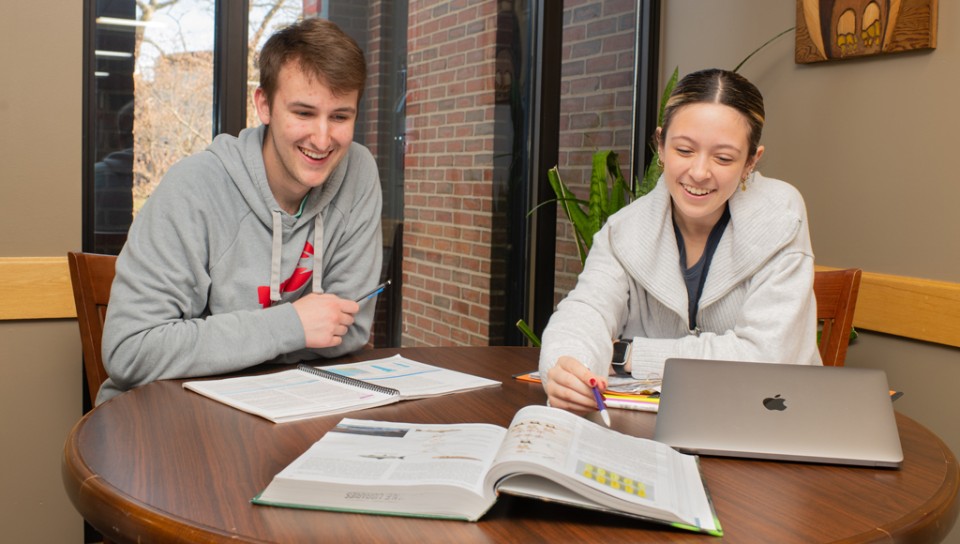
[614, 481]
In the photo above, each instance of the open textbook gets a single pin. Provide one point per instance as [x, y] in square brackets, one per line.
[309, 391]
[457, 470]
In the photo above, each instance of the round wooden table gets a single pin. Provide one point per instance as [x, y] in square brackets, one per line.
[162, 464]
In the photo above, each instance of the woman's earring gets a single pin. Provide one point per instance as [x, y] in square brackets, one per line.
[659, 162]
[743, 181]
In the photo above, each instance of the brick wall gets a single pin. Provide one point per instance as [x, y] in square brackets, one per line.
[596, 105]
[454, 235]
[459, 138]
[448, 172]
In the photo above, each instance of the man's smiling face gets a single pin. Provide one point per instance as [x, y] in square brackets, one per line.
[310, 130]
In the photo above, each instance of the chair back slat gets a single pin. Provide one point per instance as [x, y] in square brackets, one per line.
[836, 292]
[91, 276]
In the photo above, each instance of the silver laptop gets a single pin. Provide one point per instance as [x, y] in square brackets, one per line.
[778, 411]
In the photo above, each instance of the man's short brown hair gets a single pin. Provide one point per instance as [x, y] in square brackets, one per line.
[322, 50]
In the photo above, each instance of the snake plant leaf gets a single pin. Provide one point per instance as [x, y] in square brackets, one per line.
[757, 50]
[528, 332]
[653, 171]
[598, 193]
[571, 206]
[650, 177]
[667, 91]
[620, 196]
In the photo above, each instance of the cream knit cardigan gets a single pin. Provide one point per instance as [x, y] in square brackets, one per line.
[757, 303]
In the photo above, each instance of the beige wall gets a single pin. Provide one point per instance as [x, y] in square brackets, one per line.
[40, 112]
[871, 144]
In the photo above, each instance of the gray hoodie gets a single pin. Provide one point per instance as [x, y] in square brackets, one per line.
[211, 263]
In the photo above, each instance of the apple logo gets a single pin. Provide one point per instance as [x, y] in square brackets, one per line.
[775, 403]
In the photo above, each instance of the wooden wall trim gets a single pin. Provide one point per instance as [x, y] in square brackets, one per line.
[911, 307]
[921, 309]
[916, 308]
[35, 288]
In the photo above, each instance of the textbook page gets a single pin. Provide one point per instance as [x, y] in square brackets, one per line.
[393, 468]
[607, 469]
[412, 378]
[289, 395]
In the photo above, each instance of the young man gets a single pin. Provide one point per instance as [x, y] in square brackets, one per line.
[255, 249]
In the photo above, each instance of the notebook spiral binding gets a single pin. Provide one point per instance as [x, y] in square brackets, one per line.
[340, 378]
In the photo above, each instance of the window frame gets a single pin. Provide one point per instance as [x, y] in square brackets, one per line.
[229, 105]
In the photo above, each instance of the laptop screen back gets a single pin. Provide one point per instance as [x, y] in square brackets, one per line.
[786, 412]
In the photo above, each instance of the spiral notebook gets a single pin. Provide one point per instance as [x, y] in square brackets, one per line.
[308, 391]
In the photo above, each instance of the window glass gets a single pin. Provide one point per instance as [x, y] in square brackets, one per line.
[596, 107]
[265, 18]
[152, 102]
[153, 96]
[173, 90]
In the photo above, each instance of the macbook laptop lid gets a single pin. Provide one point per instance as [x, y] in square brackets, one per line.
[778, 411]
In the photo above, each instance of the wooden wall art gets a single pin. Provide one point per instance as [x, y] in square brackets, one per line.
[843, 29]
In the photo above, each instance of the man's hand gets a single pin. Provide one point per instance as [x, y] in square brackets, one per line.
[570, 386]
[325, 318]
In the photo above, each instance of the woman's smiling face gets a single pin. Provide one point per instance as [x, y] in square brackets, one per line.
[705, 155]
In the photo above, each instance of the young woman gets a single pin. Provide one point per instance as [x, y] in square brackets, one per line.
[714, 263]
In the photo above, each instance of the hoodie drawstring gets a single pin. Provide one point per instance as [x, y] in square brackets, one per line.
[275, 253]
[318, 253]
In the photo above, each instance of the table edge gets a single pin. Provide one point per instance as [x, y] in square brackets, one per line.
[84, 487]
[925, 525]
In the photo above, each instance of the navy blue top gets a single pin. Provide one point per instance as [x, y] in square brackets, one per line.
[696, 275]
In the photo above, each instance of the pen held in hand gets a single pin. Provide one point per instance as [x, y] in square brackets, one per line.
[376, 290]
[601, 406]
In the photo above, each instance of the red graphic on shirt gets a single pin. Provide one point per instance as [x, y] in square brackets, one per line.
[300, 276]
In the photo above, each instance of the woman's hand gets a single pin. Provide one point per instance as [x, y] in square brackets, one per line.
[570, 386]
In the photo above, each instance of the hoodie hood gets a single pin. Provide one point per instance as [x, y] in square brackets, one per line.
[242, 158]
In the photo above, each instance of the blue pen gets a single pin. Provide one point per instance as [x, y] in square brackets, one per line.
[601, 405]
[376, 290]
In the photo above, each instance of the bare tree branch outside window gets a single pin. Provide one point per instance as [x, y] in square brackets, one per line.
[173, 80]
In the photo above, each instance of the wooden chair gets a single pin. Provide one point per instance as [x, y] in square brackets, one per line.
[836, 292]
[91, 276]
